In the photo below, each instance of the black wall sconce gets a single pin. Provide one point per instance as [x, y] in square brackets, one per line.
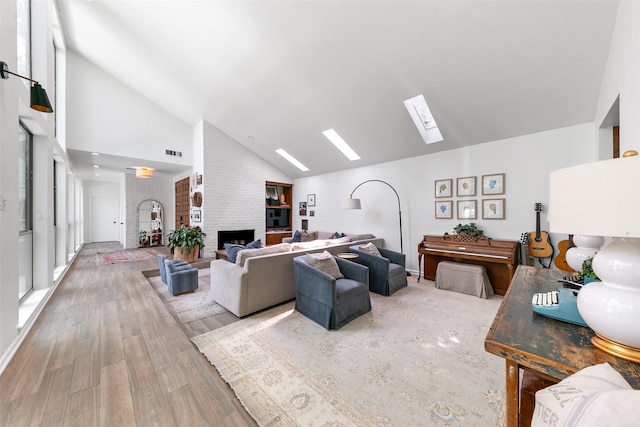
[39, 99]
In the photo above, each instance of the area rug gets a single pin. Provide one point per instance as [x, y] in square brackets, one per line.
[194, 305]
[125, 256]
[417, 359]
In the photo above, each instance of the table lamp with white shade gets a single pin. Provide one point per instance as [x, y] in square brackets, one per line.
[603, 199]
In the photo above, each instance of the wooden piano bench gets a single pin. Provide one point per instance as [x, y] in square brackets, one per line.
[468, 279]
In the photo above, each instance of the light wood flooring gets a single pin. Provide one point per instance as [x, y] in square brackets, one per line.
[106, 351]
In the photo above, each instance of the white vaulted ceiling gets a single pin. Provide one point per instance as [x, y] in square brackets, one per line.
[275, 74]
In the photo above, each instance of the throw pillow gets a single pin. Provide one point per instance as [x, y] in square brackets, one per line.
[233, 249]
[296, 236]
[370, 248]
[308, 237]
[337, 235]
[325, 263]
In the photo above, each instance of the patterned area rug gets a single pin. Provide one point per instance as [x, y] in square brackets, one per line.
[125, 256]
[194, 305]
[417, 359]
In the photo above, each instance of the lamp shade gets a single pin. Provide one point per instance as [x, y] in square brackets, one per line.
[351, 204]
[596, 199]
[39, 99]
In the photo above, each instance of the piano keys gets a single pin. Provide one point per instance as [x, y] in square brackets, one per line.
[499, 257]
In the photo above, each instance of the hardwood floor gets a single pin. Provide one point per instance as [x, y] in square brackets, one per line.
[106, 351]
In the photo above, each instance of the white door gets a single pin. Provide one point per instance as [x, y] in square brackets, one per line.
[104, 219]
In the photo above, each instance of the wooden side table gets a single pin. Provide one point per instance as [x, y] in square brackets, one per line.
[347, 255]
[221, 254]
[549, 348]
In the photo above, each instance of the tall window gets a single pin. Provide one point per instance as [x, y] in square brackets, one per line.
[24, 179]
[24, 37]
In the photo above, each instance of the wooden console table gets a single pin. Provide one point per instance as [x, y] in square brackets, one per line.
[549, 348]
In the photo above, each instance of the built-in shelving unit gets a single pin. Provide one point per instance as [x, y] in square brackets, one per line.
[278, 214]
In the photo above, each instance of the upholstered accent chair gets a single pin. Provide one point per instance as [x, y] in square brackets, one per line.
[180, 278]
[331, 301]
[163, 268]
[387, 271]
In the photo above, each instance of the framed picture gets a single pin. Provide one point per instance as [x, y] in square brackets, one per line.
[196, 215]
[443, 187]
[467, 209]
[303, 208]
[305, 224]
[493, 209]
[444, 209]
[466, 186]
[493, 184]
[312, 213]
[199, 180]
[271, 192]
[311, 199]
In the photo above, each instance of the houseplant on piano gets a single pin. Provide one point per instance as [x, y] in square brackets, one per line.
[466, 233]
[186, 242]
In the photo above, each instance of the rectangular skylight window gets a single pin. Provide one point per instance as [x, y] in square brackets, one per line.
[423, 119]
[337, 140]
[292, 160]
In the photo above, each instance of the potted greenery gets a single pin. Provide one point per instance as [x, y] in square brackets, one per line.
[470, 229]
[186, 242]
[587, 273]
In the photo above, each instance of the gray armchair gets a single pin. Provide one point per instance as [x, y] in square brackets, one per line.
[387, 273]
[331, 302]
[180, 278]
[163, 268]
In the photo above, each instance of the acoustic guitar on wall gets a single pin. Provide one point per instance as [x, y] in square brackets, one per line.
[539, 242]
[561, 258]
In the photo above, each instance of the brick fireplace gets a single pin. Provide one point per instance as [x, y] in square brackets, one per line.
[236, 237]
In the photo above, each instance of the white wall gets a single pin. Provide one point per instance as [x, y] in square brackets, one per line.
[234, 179]
[108, 117]
[526, 161]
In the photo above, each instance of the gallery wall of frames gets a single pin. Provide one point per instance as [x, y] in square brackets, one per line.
[467, 200]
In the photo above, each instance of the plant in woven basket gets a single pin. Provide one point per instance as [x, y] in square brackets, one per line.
[187, 239]
[470, 229]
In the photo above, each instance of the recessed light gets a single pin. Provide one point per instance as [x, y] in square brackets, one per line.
[96, 166]
[292, 160]
[340, 144]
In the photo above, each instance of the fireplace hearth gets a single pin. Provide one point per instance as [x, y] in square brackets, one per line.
[236, 237]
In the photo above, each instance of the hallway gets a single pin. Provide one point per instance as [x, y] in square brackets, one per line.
[106, 351]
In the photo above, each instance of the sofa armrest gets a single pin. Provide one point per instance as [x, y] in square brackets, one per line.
[353, 271]
[392, 256]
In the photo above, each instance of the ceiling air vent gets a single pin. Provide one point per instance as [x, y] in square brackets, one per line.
[173, 153]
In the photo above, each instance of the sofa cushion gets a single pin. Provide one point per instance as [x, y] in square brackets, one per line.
[308, 237]
[233, 249]
[325, 263]
[370, 248]
[338, 241]
[245, 254]
[356, 237]
[308, 245]
[324, 235]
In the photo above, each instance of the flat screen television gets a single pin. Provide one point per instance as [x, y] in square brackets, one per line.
[278, 218]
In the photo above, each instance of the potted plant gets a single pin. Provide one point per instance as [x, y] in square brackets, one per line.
[142, 238]
[587, 273]
[470, 229]
[186, 242]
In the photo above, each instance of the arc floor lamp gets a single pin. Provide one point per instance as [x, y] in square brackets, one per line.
[39, 99]
[352, 203]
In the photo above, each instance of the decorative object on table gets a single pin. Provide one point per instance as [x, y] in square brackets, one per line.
[444, 209]
[271, 193]
[610, 307]
[539, 241]
[493, 184]
[197, 215]
[584, 247]
[467, 209]
[196, 199]
[586, 271]
[186, 242]
[493, 208]
[352, 203]
[443, 187]
[466, 186]
[311, 200]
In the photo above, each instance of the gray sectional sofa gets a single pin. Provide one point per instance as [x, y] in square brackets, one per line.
[262, 278]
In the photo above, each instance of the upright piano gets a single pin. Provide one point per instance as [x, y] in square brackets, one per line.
[499, 257]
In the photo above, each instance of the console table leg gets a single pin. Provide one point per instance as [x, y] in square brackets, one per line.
[512, 393]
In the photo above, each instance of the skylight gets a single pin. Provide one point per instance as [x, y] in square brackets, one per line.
[337, 140]
[423, 119]
[292, 160]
